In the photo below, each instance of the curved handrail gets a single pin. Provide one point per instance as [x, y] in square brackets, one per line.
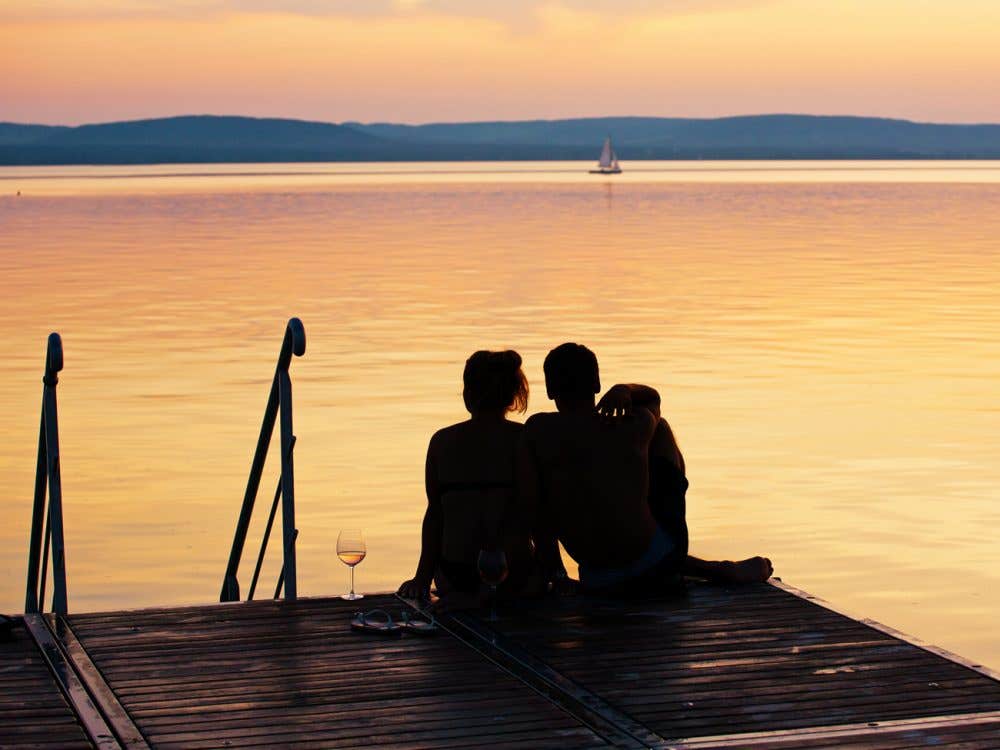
[293, 343]
[53, 359]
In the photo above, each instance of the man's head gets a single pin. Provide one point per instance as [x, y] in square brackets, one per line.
[571, 373]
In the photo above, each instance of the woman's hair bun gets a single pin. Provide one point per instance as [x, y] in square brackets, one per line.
[511, 358]
[494, 380]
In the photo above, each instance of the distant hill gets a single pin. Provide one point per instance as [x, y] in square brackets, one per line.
[206, 138]
[755, 136]
[201, 138]
[11, 134]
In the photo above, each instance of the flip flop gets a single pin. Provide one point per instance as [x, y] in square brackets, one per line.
[417, 626]
[363, 623]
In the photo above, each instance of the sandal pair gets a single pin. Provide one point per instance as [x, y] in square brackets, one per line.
[380, 622]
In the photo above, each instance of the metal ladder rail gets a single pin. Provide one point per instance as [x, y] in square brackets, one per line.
[278, 409]
[47, 518]
[98, 711]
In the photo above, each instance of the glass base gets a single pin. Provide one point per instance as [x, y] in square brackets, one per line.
[352, 596]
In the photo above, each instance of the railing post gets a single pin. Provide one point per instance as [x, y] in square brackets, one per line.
[281, 575]
[287, 486]
[59, 603]
[267, 533]
[38, 519]
[294, 343]
[47, 523]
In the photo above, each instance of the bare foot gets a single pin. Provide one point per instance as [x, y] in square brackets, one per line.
[751, 570]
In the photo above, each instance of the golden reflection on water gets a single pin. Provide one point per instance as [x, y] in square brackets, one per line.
[826, 336]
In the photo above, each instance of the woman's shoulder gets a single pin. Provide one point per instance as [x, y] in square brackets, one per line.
[464, 435]
[451, 432]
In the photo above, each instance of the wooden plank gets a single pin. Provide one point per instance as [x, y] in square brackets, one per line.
[617, 728]
[90, 717]
[117, 718]
[929, 731]
[152, 641]
[683, 668]
[359, 728]
[622, 729]
[33, 709]
[170, 667]
[900, 684]
[476, 712]
[898, 634]
[44, 744]
[294, 673]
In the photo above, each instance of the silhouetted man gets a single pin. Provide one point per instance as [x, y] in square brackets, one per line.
[585, 479]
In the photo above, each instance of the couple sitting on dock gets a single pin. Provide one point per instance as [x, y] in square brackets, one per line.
[605, 479]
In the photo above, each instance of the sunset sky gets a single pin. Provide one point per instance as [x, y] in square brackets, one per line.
[75, 61]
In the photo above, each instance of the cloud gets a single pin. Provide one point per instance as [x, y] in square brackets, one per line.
[508, 12]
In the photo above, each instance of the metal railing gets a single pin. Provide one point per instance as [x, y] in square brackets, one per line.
[49, 515]
[279, 404]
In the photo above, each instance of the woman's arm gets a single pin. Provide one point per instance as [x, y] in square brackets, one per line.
[432, 529]
[645, 397]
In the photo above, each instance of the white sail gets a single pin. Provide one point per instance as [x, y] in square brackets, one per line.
[607, 154]
[608, 163]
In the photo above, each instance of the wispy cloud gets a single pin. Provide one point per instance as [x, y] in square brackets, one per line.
[508, 12]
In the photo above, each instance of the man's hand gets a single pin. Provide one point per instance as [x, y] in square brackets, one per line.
[415, 589]
[617, 402]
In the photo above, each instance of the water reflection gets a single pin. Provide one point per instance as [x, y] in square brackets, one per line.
[825, 337]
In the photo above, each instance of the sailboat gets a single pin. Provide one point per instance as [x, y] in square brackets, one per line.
[608, 163]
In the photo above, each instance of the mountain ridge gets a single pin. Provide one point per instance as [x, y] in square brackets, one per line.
[232, 138]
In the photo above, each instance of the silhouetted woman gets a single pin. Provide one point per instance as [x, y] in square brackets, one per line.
[470, 485]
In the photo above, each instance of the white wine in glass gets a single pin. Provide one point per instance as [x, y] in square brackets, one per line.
[351, 550]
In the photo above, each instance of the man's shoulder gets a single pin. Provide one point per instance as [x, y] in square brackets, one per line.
[539, 428]
[540, 421]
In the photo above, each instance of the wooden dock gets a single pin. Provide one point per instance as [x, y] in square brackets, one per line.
[755, 667]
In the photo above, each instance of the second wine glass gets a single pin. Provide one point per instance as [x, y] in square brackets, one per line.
[351, 550]
[492, 565]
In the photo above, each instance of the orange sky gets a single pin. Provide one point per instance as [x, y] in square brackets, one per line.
[70, 61]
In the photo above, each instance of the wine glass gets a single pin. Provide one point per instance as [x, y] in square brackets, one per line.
[492, 565]
[351, 550]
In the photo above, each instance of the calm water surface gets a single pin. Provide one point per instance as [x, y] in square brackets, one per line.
[826, 337]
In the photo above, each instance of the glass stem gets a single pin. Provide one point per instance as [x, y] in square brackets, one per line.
[352, 581]
[493, 602]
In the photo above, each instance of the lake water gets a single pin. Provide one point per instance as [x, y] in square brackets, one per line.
[826, 337]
